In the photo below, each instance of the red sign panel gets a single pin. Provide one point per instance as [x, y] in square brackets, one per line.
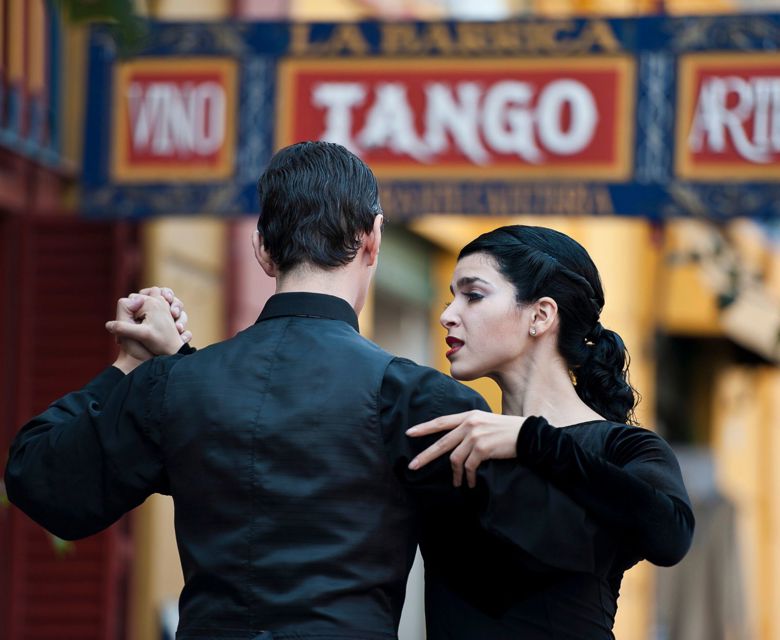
[729, 105]
[174, 119]
[553, 118]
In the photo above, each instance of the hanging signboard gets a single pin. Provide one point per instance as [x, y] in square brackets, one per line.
[652, 117]
[173, 120]
[729, 109]
[476, 119]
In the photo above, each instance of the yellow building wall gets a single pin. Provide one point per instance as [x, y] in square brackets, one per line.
[625, 7]
[347, 10]
[688, 305]
[73, 67]
[746, 445]
[189, 10]
[769, 388]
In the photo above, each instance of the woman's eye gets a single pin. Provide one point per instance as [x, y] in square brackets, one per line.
[473, 296]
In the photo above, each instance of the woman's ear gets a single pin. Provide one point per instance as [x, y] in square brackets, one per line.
[545, 314]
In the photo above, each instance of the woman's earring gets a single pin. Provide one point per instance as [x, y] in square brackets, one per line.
[532, 331]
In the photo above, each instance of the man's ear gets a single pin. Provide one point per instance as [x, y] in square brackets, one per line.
[373, 240]
[262, 255]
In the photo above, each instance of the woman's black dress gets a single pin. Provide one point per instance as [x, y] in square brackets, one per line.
[566, 581]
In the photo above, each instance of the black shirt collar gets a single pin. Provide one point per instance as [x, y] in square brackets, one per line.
[309, 305]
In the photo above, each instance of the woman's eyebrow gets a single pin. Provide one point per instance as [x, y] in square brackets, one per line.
[466, 281]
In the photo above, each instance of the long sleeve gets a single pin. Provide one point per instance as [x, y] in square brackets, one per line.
[635, 485]
[412, 394]
[92, 455]
[511, 502]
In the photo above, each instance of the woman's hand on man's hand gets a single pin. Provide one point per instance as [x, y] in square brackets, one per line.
[148, 323]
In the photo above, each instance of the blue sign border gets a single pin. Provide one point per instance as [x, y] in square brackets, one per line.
[653, 192]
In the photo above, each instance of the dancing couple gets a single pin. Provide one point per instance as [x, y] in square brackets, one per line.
[306, 464]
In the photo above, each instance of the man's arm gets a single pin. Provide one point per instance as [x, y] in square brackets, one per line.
[512, 502]
[94, 454]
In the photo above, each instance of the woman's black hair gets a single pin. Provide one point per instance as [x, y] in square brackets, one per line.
[542, 262]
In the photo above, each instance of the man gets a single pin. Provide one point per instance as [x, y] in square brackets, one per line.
[283, 447]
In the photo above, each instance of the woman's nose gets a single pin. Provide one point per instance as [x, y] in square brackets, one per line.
[448, 318]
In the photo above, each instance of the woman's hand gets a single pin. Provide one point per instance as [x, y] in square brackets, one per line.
[152, 322]
[177, 309]
[474, 436]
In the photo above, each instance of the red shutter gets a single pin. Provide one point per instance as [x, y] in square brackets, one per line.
[59, 278]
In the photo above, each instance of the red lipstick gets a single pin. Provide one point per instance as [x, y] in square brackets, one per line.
[454, 343]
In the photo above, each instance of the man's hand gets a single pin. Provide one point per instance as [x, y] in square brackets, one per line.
[131, 352]
[152, 322]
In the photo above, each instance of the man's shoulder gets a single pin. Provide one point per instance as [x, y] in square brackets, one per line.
[427, 378]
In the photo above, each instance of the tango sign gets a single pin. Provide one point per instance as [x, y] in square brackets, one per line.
[731, 110]
[174, 120]
[562, 119]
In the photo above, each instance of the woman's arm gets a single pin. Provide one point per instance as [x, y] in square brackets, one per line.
[636, 486]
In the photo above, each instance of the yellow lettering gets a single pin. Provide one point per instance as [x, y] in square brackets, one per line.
[573, 200]
[347, 37]
[472, 37]
[602, 201]
[473, 201]
[598, 33]
[508, 37]
[400, 39]
[453, 200]
[438, 38]
[299, 38]
[543, 38]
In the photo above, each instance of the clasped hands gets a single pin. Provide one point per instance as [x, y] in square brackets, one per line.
[148, 323]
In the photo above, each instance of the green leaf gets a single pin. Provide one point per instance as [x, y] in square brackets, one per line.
[62, 547]
[130, 28]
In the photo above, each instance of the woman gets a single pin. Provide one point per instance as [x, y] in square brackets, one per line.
[526, 313]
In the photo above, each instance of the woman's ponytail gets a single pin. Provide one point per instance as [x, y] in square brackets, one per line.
[602, 378]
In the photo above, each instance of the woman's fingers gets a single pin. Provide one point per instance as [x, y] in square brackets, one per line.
[154, 292]
[475, 436]
[465, 459]
[181, 322]
[439, 448]
[471, 465]
[443, 423]
[457, 460]
[131, 330]
[176, 305]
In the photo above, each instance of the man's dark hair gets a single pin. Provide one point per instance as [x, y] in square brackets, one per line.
[316, 198]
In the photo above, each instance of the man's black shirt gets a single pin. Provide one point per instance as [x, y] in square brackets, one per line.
[284, 449]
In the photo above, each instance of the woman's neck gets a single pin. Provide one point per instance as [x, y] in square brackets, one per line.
[542, 387]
